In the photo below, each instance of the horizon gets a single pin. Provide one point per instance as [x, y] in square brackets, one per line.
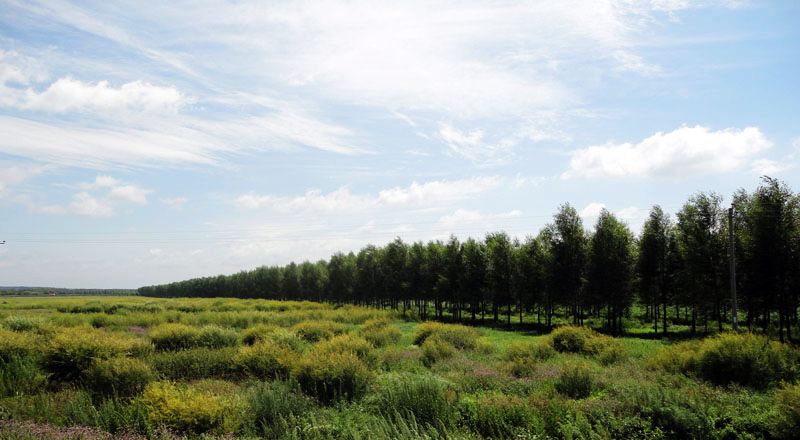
[137, 151]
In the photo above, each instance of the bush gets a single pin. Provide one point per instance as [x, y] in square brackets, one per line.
[746, 359]
[196, 363]
[379, 332]
[73, 351]
[257, 333]
[332, 377]
[582, 340]
[122, 377]
[612, 354]
[788, 399]
[174, 336]
[21, 323]
[20, 376]
[459, 336]
[184, 408]
[272, 405]
[288, 339]
[435, 349]
[212, 336]
[313, 331]
[576, 381]
[424, 399]
[265, 360]
[349, 344]
[521, 357]
[500, 416]
[16, 345]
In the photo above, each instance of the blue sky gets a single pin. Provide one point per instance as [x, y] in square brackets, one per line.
[144, 144]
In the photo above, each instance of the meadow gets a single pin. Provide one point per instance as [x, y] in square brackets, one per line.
[136, 367]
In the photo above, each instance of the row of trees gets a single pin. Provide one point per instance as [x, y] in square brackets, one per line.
[677, 269]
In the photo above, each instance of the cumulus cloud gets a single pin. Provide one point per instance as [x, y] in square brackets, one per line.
[770, 167]
[470, 217]
[682, 152]
[592, 210]
[67, 94]
[98, 198]
[14, 175]
[174, 202]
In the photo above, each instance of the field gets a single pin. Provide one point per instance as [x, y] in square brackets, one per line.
[134, 367]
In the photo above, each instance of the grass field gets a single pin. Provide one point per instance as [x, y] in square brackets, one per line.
[134, 367]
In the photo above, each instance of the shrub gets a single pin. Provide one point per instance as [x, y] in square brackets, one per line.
[349, 344]
[313, 331]
[459, 336]
[788, 399]
[123, 377]
[184, 408]
[612, 354]
[272, 405]
[20, 376]
[746, 359]
[212, 336]
[174, 336]
[21, 323]
[16, 345]
[379, 332]
[424, 399]
[435, 349]
[576, 381]
[521, 356]
[265, 360]
[500, 416]
[573, 339]
[73, 351]
[196, 363]
[331, 377]
[289, 339]
[257, 333]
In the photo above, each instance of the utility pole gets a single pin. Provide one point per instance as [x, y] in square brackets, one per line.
[732, 260]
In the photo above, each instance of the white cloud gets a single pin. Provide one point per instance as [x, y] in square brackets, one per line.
[461, 217]
[14, 175]
[129, 193]
[175, 202]
[770, 167]
[68, 94]
[418, 194]
[592, 210]
[682, 152]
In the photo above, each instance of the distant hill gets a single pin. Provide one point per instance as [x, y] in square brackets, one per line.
[60, 291]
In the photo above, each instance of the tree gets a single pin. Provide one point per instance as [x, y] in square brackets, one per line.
[500, 257]
[529, 274]
[702, 240]
[472, 279]
[611, 268]
[653, 264]
[569, 254]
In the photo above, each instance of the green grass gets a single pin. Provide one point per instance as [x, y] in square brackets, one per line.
[175, 368]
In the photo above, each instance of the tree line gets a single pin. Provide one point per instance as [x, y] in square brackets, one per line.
[677, 269]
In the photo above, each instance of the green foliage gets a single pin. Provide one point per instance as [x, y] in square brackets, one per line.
[265, 360]
[187, 409]
[500, 416]
[349, 344]
[272, 405]
[332, 377]
[257, 333]
[788, 399]
[521, 357]
[581, 340]
[745, 359]
[425, 399]
[435, 349]
[192, 364]
[459, 336]
[174, 336]
[21, 323]
[16, 345]
[20, 376]
[313, 331]
[379, 332]
[119, 376]
[576, 381]
[73, 351]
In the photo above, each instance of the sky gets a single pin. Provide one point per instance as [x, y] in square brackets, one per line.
[143, 143]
